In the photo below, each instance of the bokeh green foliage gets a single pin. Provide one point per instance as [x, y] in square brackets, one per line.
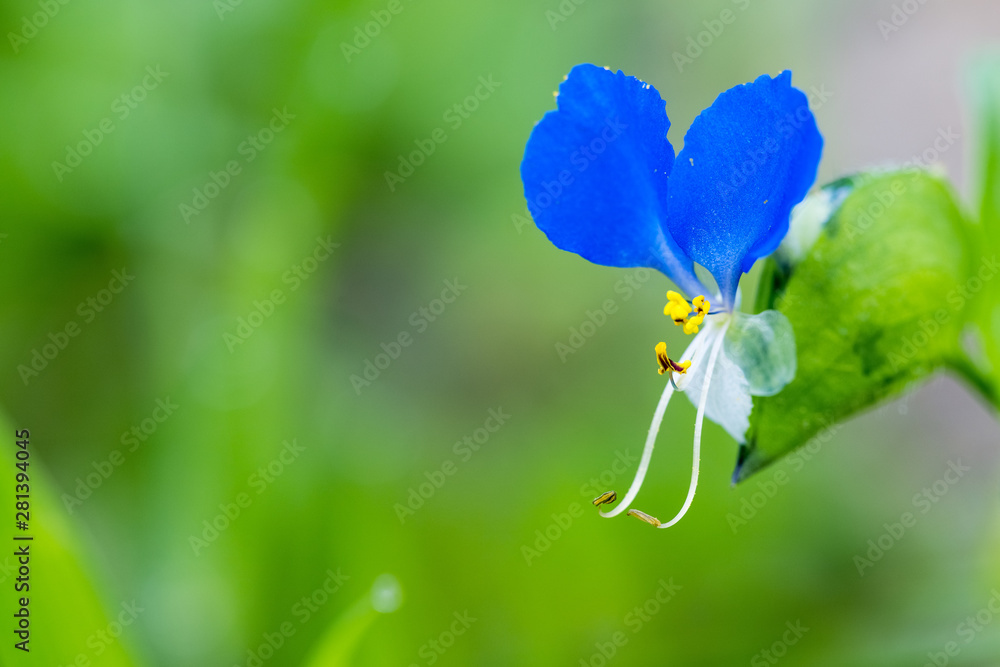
[59, 569]
[456, 217]
[985, 92]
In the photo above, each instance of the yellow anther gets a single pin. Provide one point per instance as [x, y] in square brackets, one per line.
[701, 304]
[605, 498]
[668, 365]
[679, 310]
[677, 307]
[692, 324]
[642, 516]
[661, 357]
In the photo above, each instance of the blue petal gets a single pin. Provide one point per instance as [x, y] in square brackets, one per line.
[747, 160]
[595, 174]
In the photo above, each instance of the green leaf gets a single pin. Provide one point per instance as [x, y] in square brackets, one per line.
[337, 645]
[879, 302]
[70, 623]
[986, 100]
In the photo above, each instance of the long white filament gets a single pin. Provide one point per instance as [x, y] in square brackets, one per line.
[661, 408]
[699, 420]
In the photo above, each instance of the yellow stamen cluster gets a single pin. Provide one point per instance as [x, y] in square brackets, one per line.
[668, 365]
[677, 307]
[680, 311]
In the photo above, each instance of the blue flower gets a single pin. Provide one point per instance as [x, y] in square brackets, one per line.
[602, 181]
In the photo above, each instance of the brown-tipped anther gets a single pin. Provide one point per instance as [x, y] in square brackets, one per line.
[668, 365]
[642, 516]
[605, 498]
[662, 359]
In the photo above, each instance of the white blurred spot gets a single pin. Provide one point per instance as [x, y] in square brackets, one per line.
[387, 594]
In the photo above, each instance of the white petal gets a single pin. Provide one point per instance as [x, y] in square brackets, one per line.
[807, 221]
[763, 346]
[728, 403]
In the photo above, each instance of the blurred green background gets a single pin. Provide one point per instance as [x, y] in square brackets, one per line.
[244, 316]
